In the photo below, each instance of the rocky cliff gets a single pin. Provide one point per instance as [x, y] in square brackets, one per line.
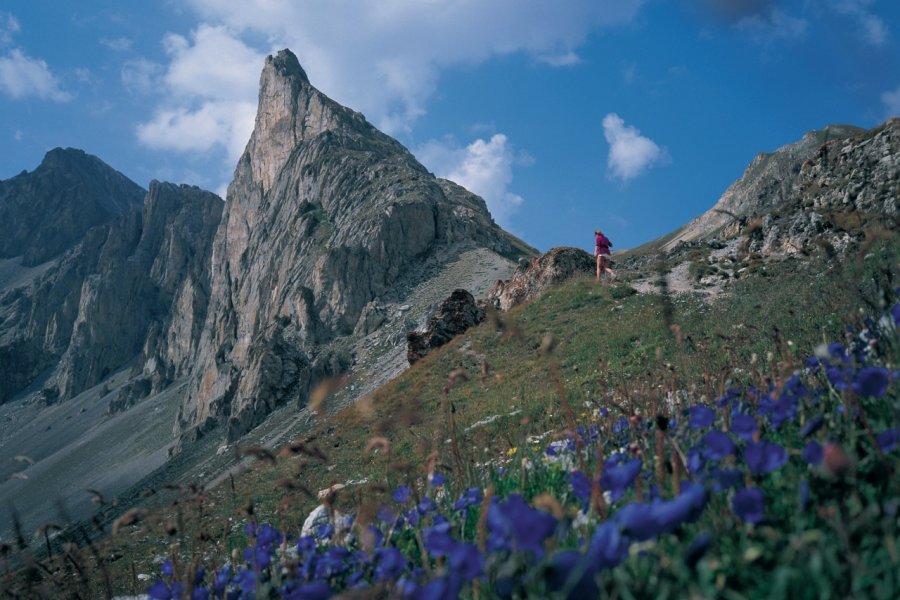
[136, 286]
[825, 192]
[325, 216]
[47, 211]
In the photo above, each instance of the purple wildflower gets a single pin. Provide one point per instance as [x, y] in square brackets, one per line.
[812, 453]
[701, 417]
[743, 426]
[812, 426]
[718, 445]
[871, 382]
[749, 505]
[618, 475]
[401, 494]
[888, 440]
[697, 549]
[764, 457]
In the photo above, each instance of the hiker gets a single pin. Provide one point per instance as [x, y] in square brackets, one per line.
[601, 251]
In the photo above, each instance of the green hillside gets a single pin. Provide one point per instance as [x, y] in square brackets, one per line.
[481, 411]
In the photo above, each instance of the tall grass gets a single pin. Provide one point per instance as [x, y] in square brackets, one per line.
[535, 455]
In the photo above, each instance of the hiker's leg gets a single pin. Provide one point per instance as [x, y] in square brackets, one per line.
[599, 265]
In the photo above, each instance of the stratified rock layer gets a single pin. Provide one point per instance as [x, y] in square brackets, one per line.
[324, 215]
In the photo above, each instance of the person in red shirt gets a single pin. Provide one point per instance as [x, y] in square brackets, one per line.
[601, 251]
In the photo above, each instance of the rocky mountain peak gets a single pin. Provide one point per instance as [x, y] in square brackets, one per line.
[47, 211]
[325, 215]
[290, 111]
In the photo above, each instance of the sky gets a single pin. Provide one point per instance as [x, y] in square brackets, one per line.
[632, 116]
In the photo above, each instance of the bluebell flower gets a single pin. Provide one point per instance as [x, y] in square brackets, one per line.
[871, 382]
[701, 417]
[837, 350]
[436, 479]
[306, 544]
[401, 494]
[637, 520]
[569, 570]
[438, 540]
[167, 569]
[727, 478]
[812, 453]
[764, 457]
[620, 425]
[697, 549]
[581, 487]
[749, 505]
[426, 506]
[310, 591]
[466, 561]
[695, 460]
[618, 475]
[812, 426]
[895, 314]
[389, 564]
[608, 547]
[783, 409]
[471, 497]
[514, 524]
[687, 507]
[159, 590]
[220, 579]
[325, 531]
[743, 426]
[888, 440]
[727, 398]
[717, 445]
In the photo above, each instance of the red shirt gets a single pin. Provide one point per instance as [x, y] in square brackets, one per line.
[601, 244]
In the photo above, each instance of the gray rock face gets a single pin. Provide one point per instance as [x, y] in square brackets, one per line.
[133, 288]
[766, 183]
[47, 211]
[541, 272]
[453, 316]
[324, 216]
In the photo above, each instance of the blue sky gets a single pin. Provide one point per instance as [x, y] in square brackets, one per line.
[629, 115]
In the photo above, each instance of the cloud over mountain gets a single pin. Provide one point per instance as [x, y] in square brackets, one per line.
[630, 153]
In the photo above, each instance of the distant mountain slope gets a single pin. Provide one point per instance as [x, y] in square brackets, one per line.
[47, 211]
[825, 193]
[767, 182]
[135, 285]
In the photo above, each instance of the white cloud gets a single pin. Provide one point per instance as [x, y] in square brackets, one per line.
[565, 59]
[211, 86]
[381, 58]
[9, 26]
[22, 76]
[483, 167]
[141, 76]
[891, 100]
[773, 25]
[630, 153]
[871, 27]
[118, 44]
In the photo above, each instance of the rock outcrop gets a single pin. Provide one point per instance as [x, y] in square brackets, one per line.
[48, 211]
[134, 288]
[767, 182]
[325, 214]
[453, 316]
[534, 276]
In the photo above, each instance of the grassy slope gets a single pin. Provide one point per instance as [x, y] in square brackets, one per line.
[607, 344]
